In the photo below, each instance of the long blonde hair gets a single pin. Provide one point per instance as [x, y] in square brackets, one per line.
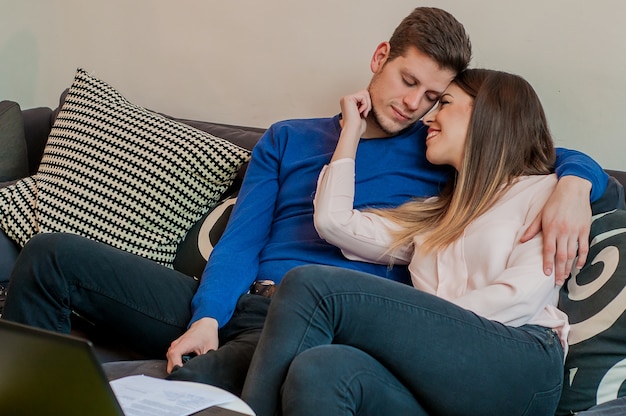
[508, 137]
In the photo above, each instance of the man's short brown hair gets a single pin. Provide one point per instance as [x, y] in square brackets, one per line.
[435, 33]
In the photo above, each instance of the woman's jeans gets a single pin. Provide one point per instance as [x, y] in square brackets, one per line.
[343, 342]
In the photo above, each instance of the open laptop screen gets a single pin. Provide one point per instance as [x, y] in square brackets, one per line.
[46, 373]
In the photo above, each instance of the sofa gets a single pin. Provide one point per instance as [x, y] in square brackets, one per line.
[596, 365]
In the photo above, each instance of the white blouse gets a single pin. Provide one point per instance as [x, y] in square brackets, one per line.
[487, 270]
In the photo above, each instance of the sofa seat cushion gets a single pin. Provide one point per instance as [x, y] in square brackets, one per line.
[118, 369]
[126, 176]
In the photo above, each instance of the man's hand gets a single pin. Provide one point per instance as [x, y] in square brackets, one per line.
[199, 338]
[566, 222]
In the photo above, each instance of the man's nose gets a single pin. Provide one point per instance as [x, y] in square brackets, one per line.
[413, 100]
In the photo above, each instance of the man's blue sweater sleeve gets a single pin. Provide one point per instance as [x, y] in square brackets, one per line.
[574, 163]
[234, 262]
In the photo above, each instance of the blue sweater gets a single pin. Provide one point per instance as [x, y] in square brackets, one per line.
[271, 227]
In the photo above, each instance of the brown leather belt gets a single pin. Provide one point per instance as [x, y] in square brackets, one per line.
[265, 288]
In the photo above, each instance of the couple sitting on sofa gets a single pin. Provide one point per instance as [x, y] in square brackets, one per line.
[271, 231]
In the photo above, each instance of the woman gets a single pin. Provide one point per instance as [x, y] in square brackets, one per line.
[482, 335]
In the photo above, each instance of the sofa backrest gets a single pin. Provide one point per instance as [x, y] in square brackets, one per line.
[39, 121]
[620, 175]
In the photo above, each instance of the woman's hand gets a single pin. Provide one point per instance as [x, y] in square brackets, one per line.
[354, 110]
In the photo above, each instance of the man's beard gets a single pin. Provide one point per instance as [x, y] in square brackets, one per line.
[385, 130]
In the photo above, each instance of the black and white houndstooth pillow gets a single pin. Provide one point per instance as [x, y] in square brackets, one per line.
[120, 174]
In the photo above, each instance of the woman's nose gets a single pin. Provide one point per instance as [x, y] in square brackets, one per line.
[430, 116]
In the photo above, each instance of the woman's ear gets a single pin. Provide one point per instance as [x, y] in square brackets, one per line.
[380, 57]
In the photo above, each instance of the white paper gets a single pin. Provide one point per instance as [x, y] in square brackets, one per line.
[148, 396]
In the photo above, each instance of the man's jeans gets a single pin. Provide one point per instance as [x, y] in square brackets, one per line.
[144, 305]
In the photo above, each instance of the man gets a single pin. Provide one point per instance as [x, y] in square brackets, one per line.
[271, 228]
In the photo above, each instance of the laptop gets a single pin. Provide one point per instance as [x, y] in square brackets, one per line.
[47, 373]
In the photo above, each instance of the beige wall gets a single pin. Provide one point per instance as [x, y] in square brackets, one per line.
[253, 62]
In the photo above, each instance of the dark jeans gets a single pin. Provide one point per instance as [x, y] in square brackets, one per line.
[143, 304]
[343, 342]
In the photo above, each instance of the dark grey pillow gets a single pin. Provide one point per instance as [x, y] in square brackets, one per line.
[14, 157]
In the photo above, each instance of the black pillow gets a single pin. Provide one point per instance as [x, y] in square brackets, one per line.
[595, 300]
[193, 252]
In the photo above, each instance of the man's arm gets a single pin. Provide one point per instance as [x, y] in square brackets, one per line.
[234, 262]
[566, 218]
[575, 163]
